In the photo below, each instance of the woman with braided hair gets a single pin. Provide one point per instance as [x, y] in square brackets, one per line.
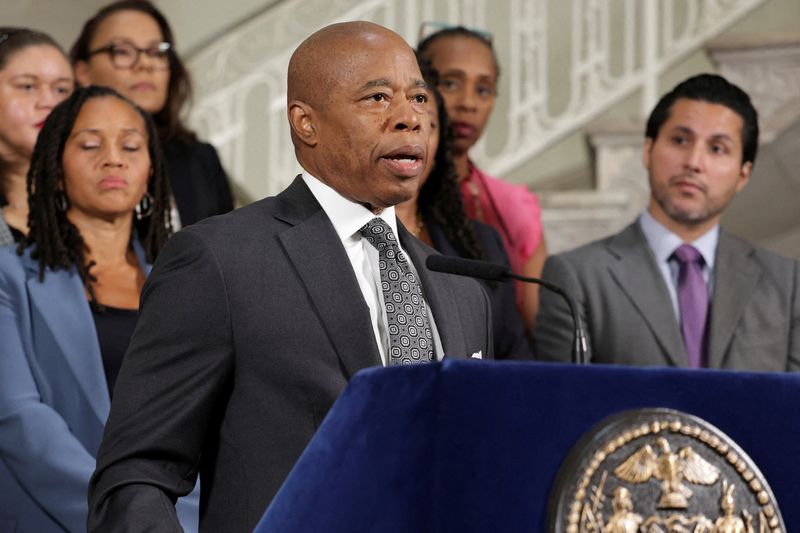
[468, 77]
[69, 297]
[436, 216]
[34, 77]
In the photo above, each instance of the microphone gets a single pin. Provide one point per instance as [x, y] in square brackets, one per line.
[468, 267]
[473, 268]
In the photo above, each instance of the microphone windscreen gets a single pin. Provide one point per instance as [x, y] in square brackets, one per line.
[467, 267]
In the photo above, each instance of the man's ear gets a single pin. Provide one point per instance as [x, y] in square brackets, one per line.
[648, 146]
[302, 122]
[744, 175]
[82, 73]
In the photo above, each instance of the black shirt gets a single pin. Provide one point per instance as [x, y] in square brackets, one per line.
[114, 330]
[16, 234]
[197, 180]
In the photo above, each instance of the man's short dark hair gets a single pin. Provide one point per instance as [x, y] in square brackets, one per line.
[715, 90]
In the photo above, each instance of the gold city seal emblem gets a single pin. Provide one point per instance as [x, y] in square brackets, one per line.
[661, 471]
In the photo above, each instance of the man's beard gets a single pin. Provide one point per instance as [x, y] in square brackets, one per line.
[688, 216]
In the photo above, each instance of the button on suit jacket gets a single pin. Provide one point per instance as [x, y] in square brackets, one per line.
[754, 321]
[251, 325]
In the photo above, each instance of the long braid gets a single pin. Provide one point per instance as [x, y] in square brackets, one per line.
[447, 207]
[55, 242]
[58, 243]
[440, 197]
[154, 230]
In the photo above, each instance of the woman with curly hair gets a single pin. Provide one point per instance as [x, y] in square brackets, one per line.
[436, 216]
[69, 298]
[34, 77]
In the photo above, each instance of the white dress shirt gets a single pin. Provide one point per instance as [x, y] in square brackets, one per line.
[347, 218]
[663, 243]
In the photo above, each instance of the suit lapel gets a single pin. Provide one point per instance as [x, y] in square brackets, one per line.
[439, 295]
[736, 275]
[316, 252]
[54, 310]
[639, 278]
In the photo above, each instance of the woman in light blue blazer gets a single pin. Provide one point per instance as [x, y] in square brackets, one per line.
[69, 293]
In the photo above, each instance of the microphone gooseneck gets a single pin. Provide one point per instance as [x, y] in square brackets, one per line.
[495, 272]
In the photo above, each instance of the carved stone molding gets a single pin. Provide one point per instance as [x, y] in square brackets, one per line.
[768, 68]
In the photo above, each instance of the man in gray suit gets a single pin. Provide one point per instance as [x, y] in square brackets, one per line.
[253, 322]
[672, 289]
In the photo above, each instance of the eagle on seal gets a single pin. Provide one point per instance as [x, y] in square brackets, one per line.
[671, 468]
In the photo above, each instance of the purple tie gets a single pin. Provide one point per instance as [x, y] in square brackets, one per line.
[693, 302]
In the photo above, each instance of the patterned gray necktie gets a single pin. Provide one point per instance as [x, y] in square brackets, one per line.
[410, 339]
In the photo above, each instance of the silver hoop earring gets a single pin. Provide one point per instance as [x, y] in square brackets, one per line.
[61, 201]
[145, 206]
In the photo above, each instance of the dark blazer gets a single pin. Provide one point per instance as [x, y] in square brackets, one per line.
[510, 341]
[54, 399]
[198, 182]
[251, 325]
[622, 297]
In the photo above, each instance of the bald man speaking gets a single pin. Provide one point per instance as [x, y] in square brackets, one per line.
[253, 322]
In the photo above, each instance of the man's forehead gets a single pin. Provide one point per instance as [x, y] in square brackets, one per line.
[360, 48]
[388, 82]
[345, 57]
[372, 39]
[705, 118]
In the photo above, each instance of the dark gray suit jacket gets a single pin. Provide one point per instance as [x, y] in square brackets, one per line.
[251, 325]
[623, 300]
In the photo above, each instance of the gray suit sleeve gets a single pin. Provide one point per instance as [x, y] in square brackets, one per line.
[793, 364]
[171, 388]
[553, 331]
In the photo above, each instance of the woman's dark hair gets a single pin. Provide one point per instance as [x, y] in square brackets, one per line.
[423, 48]
[440, 197]
[57, 242]
[179, 91]
[13, 40]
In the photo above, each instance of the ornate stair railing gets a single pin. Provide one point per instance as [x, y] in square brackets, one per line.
[563, 62]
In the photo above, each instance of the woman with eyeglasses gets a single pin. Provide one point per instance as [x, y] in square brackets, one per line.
[128, 46]
[35, 76]
[69, 298]
[468, 76]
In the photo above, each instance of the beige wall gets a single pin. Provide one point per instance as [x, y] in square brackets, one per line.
[193, 21]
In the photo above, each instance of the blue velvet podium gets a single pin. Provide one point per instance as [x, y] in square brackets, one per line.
[468, 446]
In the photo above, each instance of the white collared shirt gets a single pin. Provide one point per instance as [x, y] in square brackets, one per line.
[663, 243]
[347, 218]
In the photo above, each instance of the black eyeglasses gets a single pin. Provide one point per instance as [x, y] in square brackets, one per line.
[125, 55]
